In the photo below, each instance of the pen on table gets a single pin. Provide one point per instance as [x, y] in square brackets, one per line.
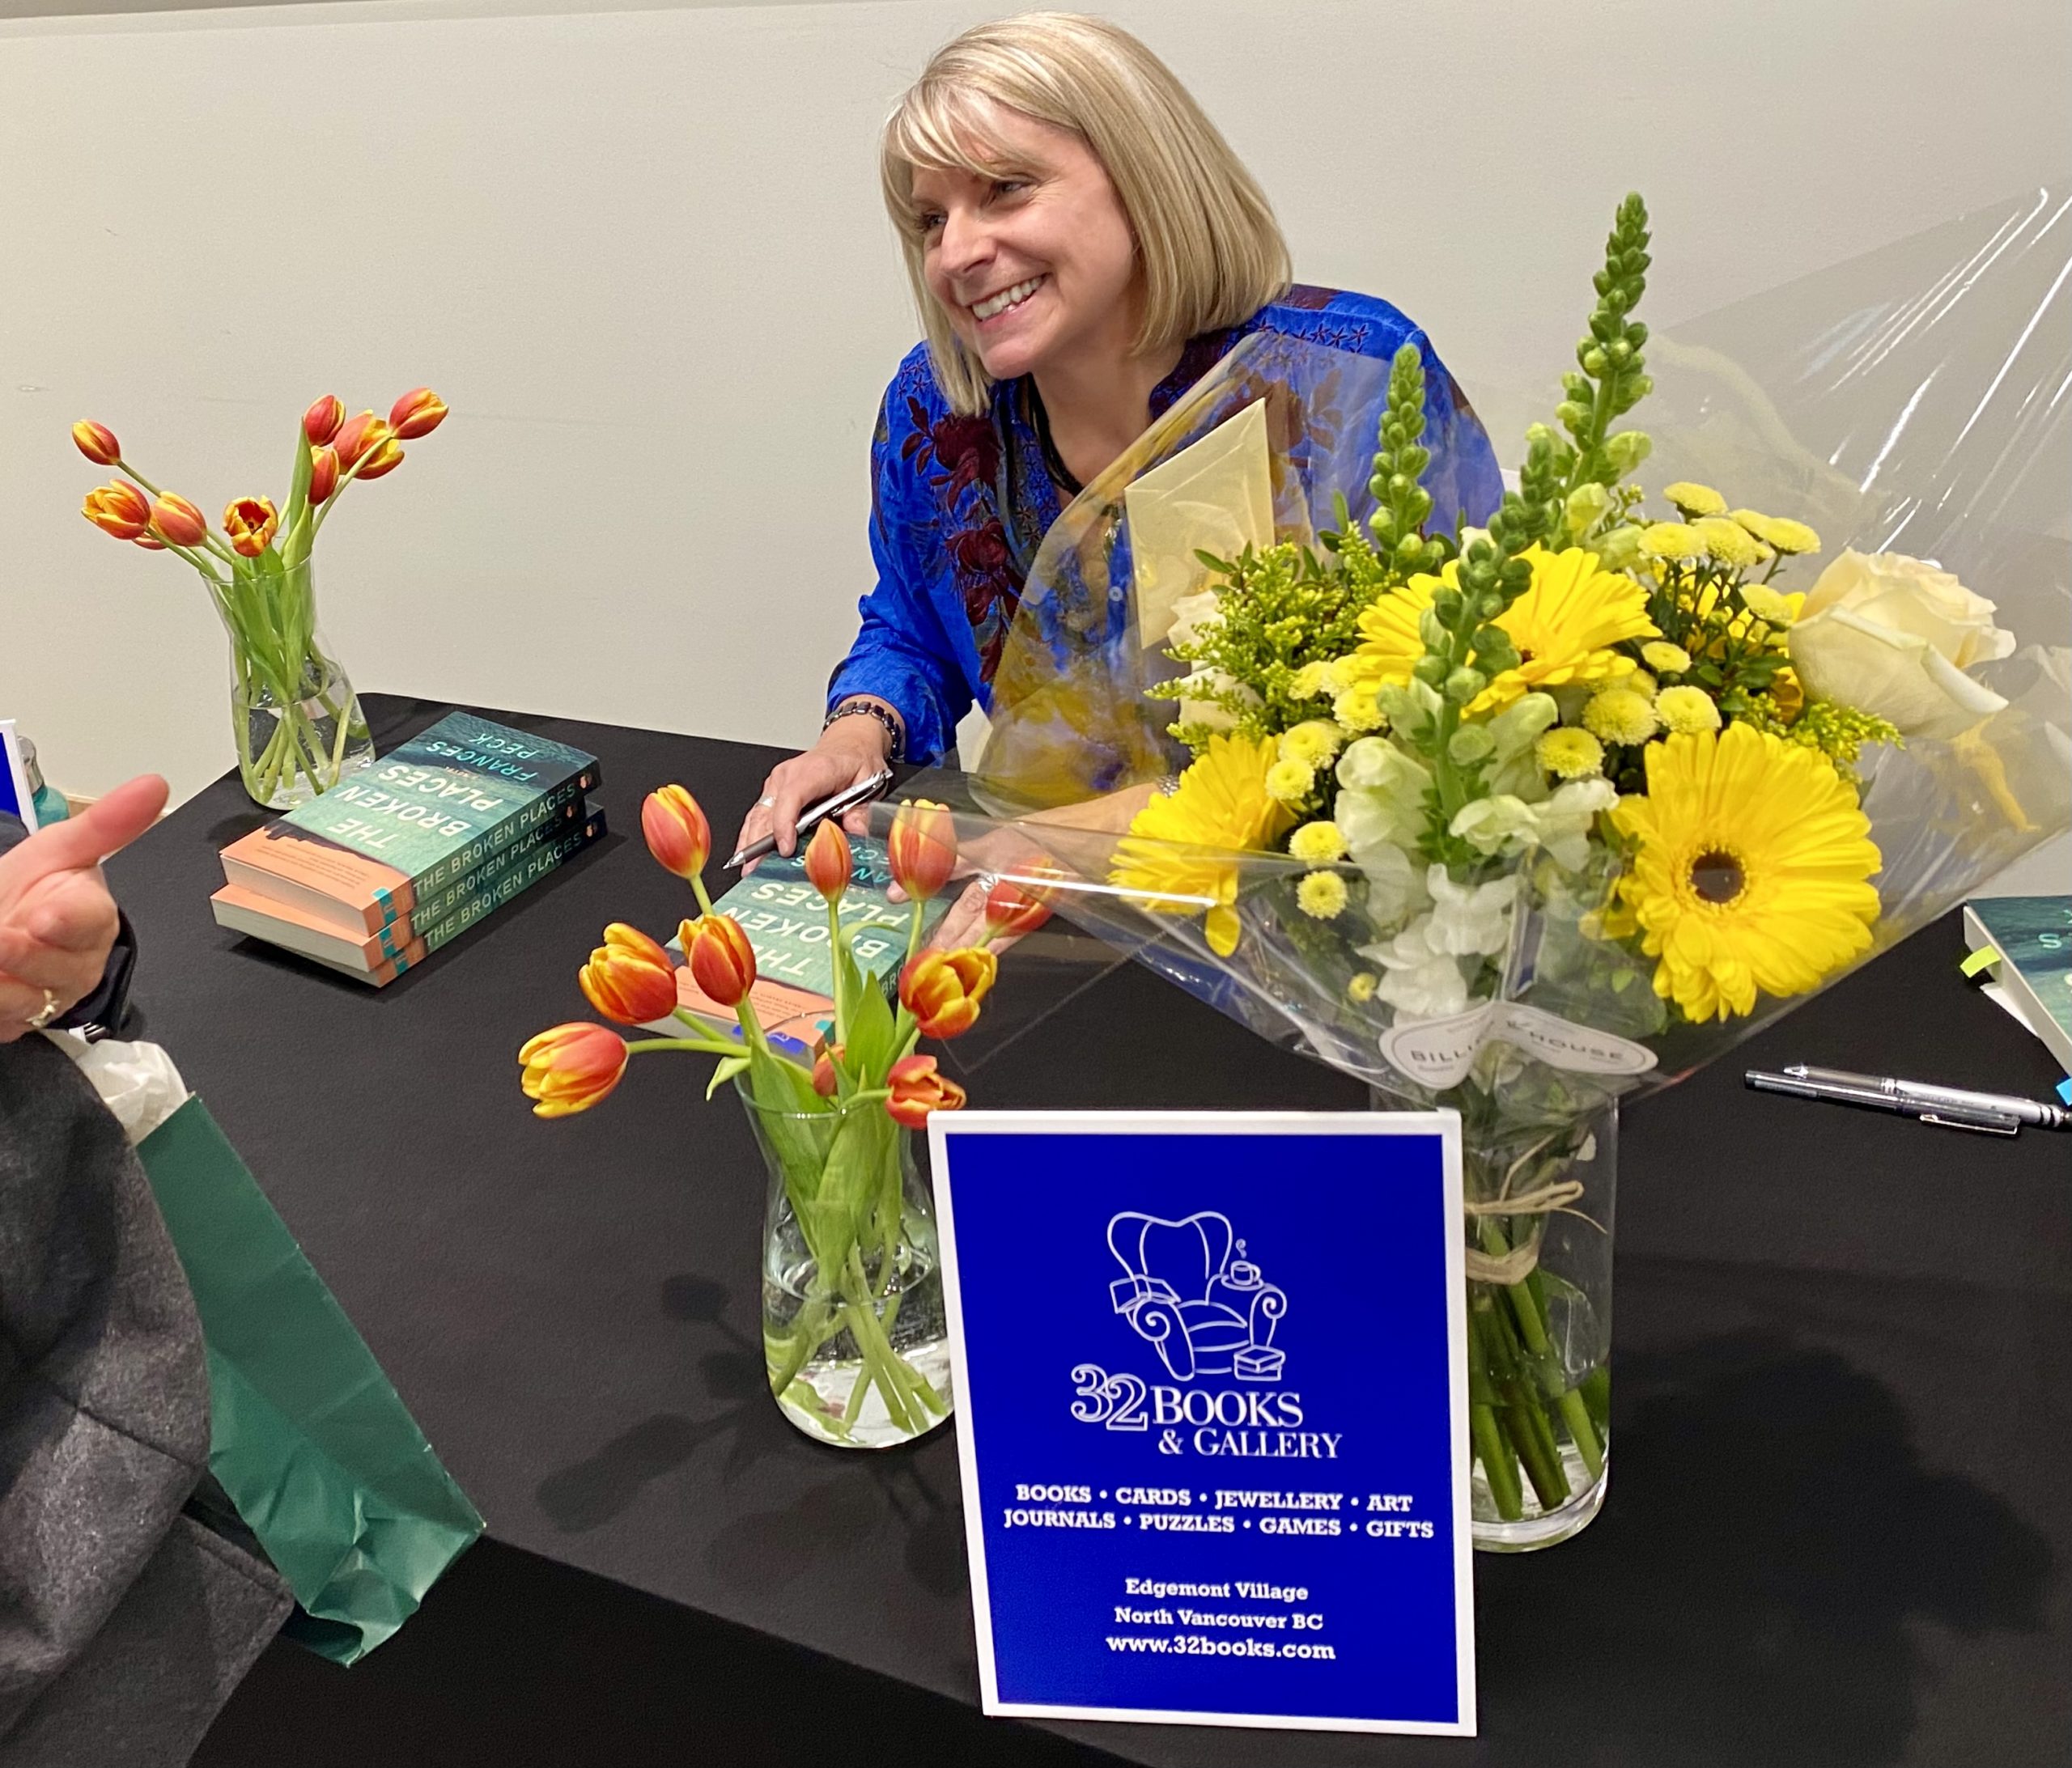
[1957, 1107]
[847, 799]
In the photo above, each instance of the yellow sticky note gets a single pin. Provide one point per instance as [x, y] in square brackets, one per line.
[1214, 495]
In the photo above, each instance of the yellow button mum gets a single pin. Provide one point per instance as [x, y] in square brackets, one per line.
[1752, 869]
[1220, 802]
[1780, 533]
[1322, 894]
[1563, 626]
[1695, 499]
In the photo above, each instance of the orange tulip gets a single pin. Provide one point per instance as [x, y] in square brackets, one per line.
[922, 848]
[828, 861]
[418, 413]
[824, 1081]
[251, 522]
[321, 422]
[676, 831]
[118, 509]
[97, 442]
[323, 472]
[175, 520]
[569, 1067]
[148, 543]
[630, 977]
[917, 1088]
[1011, 911]
[722, 960]
[357, 436]
[942, 989]
[383, 457]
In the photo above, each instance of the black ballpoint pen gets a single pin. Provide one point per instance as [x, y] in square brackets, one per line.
[847, 799]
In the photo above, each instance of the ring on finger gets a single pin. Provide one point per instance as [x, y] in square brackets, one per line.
[44, 1015]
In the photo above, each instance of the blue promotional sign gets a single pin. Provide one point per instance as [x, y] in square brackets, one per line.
[14, 797]
[1212, 1415]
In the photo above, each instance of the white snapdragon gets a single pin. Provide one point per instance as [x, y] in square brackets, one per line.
[1508, 826]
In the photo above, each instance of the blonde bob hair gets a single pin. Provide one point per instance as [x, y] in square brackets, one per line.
[1211, 251]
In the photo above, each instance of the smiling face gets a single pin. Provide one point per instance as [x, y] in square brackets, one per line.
[1034, 265]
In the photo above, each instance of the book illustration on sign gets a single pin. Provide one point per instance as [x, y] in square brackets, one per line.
[1200, 1301]
[382, 870]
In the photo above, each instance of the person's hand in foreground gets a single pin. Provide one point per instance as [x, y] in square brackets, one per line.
[850, 751]
[58, 921]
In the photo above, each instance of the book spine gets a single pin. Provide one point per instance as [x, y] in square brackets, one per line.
[514, 880]
[527, 818]
[439, 904]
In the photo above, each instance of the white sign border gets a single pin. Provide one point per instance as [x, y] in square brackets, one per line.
[943, 1126]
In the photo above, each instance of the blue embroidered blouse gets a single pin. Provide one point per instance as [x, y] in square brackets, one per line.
[959, 503]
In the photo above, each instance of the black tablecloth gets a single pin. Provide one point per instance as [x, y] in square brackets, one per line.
[1835, 1534]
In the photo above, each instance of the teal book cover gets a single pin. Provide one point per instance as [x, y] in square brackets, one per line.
[787, 922]
[2033, 935]
[448, 797]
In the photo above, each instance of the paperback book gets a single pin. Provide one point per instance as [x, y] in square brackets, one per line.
[2032, 937]
[786, 922]
[361, 856]
[382, 955]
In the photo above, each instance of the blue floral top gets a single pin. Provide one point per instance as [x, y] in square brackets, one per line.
[959, 503]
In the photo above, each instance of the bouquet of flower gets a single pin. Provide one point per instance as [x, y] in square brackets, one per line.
[298, 723]
[1517, 819]
[853, 1323]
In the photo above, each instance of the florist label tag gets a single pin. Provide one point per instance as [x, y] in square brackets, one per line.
[1438, 1052]
[1212, 1424]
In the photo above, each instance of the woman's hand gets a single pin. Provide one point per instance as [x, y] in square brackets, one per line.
[850, 751]
[58, 922]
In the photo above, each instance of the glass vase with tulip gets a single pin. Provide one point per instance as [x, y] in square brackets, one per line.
[296, 720]
[853, 1332]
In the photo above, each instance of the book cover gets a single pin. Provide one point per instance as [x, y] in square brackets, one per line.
[382, 955]
[786, 922]
[2033, 935]
[425, 815]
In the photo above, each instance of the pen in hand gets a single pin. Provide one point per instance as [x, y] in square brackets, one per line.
[847, 799]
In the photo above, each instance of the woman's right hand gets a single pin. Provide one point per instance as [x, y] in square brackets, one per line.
[850, 751]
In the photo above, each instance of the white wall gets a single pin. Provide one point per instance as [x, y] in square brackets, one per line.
[640, 253]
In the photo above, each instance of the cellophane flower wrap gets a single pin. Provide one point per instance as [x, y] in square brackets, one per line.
[1528, 819]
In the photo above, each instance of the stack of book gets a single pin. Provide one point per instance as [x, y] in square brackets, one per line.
[387, 867]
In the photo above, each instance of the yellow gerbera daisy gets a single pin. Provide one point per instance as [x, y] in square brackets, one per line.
[1220, 802]
[1752, 869]
[1563, 627]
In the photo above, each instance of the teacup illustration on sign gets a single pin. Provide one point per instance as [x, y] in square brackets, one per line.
[1192, 1293]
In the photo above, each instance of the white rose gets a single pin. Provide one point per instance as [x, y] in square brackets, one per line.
[1893, 636]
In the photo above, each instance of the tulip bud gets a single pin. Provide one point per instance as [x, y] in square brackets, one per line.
[630, 977]
[917, 1088]
[569, 1067]
[676, 831]
[942, 989]
[97, 442]
[921, 847]
[321, 422]
[418, 413]
[722, 960]
[383, 457]
[357, 436]
[118, 509]
[175, 520]
[148, 543]
[323, 473]
[1011, 911]
[828, 861]
[251, 522]
[823, 1080]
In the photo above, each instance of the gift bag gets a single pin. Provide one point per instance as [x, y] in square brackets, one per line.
[307, 1437]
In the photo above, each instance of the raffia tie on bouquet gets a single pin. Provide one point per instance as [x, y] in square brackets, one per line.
[1518, 1264]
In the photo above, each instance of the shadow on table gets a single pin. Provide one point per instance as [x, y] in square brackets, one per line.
[1727, 1585]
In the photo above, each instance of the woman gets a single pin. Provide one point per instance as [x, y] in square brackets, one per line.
[1083, 246]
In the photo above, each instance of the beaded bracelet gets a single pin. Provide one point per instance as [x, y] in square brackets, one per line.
[870, 709]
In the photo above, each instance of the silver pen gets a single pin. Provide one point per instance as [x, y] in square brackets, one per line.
[2031, 1112]
[847, 799]
[1871, 1097]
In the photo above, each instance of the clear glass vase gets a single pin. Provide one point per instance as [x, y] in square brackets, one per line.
[1539, 1223]
[298, 723]
[854, 1331]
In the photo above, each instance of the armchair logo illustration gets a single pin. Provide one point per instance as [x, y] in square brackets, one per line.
[1190, 1290]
